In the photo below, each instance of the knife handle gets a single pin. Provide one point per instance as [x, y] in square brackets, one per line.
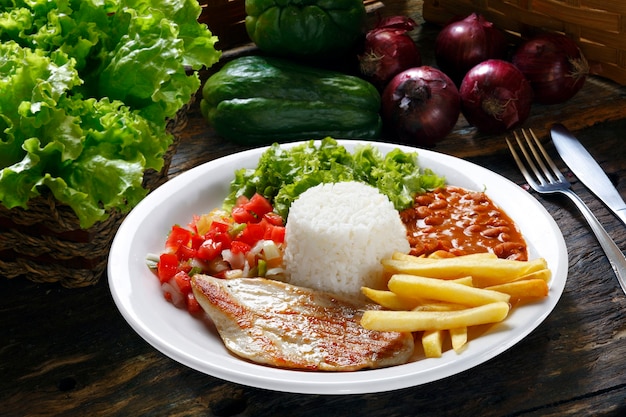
[612, 251]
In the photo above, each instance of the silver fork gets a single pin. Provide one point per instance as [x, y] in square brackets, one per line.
[547, 181]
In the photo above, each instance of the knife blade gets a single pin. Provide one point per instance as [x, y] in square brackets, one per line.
[587, 170]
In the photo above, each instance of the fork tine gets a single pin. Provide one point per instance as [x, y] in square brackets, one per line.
[531, 181]
[530, 160]
[536, 158]
[533, 146]
[555, 170]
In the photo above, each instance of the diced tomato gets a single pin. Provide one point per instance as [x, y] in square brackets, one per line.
[274, 218]
[241, 215]
[196, 241]
[241, 201]
[178, 236]
[183, 281]
[167, 266]
[207, 238]
[185, 252]
[259, 205]
[209, 250]
[217, 226]
[223, 238]
[252, 233]
[251, 210]
[192, 304]
[240, 247]
[184, 266]
[276, 234]
[193, 224]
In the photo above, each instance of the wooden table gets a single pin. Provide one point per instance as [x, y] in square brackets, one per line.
[69, 351]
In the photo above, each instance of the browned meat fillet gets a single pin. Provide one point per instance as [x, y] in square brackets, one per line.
[278, 324]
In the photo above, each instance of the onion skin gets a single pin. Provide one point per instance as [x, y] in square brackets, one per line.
[554, 65]
[389, 50]
[495, 96]
[464, 43]
[421, 106]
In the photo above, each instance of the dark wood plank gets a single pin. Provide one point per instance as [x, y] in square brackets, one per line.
[70, 352]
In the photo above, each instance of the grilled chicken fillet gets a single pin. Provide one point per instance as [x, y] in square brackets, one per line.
[286, 326]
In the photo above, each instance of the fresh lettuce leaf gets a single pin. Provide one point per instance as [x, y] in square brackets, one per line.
[283, 174]
[86, 89]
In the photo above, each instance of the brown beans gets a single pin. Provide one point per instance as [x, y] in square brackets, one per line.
[495, 231]
[434, 220]
[460, 222]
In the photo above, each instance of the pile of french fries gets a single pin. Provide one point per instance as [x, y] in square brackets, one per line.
[443, 295]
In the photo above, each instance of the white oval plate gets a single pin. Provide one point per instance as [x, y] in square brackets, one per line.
[175, 333]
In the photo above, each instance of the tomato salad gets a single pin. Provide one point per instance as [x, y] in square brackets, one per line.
[246, 241]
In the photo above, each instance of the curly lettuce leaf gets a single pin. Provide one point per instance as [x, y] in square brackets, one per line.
[283, 174]
[86, 89]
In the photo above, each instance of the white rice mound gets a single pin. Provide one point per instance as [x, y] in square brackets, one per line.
[336, 236]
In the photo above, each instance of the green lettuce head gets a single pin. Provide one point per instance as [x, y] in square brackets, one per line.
[86, 88]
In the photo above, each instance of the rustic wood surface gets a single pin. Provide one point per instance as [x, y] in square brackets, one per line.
[69, 351]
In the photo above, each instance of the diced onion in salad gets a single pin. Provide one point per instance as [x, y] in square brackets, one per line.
[246, 242]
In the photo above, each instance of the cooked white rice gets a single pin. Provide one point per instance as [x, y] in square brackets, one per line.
[337, 235]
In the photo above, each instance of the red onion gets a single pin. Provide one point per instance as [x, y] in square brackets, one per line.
[421, 105]
[554, 65]
[464, 43]
[495, 96]
[389, 50]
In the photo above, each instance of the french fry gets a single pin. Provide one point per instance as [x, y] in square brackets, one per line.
[443, 294]
[393, 301]
[390, 299]
[432, 342]
[438, 254]
[528, 288]
[458, 336]
[414, 321]
[437, 289]
[544, 274]
[400, 256]
[464, 281]
[485, 271]
[434, 305]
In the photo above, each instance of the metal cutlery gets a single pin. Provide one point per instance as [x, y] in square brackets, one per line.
[587, 170]
[551, 180]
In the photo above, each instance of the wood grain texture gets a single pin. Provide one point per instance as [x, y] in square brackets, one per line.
[69, 351]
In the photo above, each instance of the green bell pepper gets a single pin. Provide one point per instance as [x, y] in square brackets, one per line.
[304, 28]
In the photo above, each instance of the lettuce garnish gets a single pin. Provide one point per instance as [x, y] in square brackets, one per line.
[283, 174]
[86, 89]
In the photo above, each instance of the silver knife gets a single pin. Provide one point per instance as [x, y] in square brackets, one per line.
[587, 170]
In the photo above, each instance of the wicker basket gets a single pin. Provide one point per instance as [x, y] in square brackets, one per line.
[46, 244]
[598, 26]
